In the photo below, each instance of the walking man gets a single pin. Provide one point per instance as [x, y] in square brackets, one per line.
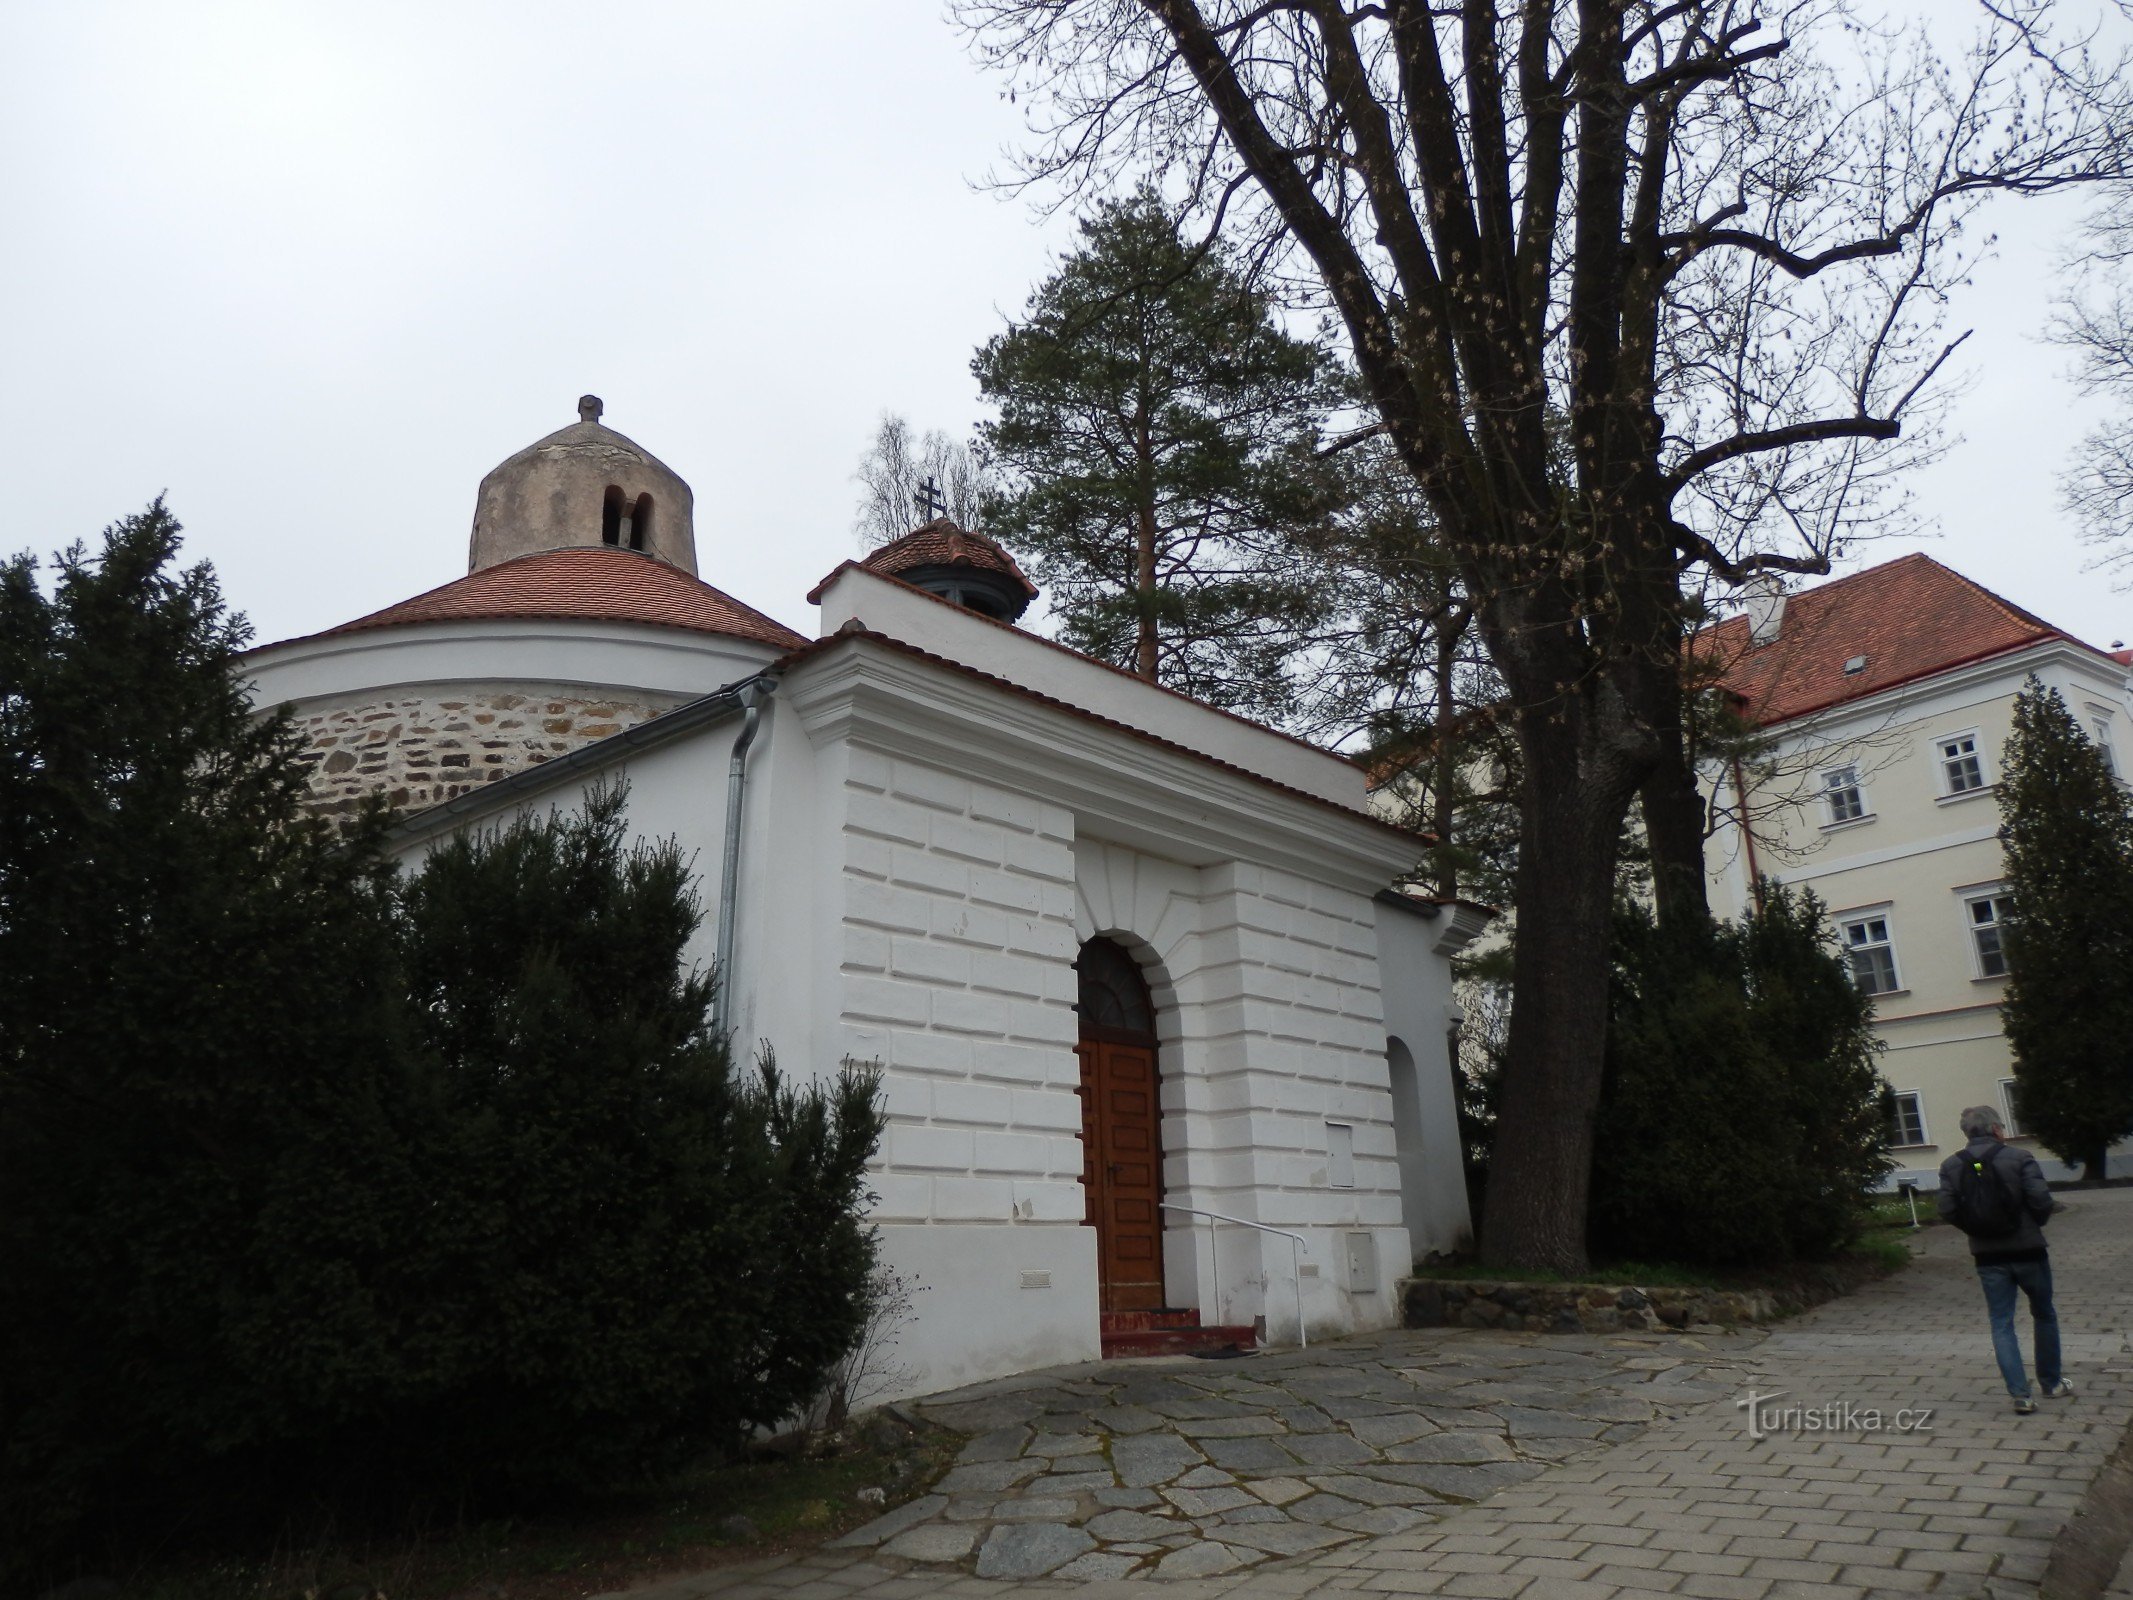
[1996, 1194]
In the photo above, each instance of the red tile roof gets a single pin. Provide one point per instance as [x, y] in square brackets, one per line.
[1909, 619]
[584, 584]
[939, 543]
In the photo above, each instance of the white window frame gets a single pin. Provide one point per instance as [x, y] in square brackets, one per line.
[2014, 1128]
[1942, 761]
[1918, 1105]
[1857, 786]
[1997, 894]
[2010, 1123]
[2099, 731]
[1859, 918]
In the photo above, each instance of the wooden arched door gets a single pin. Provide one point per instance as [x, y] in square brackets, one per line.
[1121, 1127]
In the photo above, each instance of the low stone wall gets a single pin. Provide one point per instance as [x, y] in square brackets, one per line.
[1581, 1307]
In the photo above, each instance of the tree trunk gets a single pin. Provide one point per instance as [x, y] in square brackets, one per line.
[1444, 776]
[2098, 1166]
[1672, 804]
[1144, 656]
[1540, 1168]
[1670, 797]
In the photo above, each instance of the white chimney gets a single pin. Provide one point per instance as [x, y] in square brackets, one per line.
[1762, 600]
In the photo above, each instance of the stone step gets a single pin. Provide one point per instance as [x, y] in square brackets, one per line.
[1177, 1341]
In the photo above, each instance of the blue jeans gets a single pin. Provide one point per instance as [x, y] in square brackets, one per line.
[2033, 1278]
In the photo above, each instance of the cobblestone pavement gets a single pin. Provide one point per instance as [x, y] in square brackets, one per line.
[1124, 1476]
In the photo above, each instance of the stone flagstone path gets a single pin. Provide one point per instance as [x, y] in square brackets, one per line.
[1688, 1504]
[1188, 1468]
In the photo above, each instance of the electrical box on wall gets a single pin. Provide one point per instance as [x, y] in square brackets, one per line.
[1362, 1263]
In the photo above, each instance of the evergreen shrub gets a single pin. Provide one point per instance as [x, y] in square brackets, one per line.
[323, 1190]
[1741, 1120]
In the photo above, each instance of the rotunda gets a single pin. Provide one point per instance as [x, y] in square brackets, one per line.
[580, 616]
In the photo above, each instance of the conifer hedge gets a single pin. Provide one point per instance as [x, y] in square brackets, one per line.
[325, 1187]
[1741, 1117]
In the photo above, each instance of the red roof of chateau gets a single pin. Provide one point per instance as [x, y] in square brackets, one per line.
[1909, 619]
[939, 543]
[587, 585]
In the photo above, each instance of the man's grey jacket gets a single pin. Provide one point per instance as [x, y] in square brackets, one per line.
[2018, 1170]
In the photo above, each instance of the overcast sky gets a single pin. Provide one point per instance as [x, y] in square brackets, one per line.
[315, 269]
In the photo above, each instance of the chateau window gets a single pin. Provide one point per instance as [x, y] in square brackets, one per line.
[611, 516]
[1841, 792]
[1962, 769]
[2013, 1107]
[1987, 913]
[1873, 957]
[641, 524]
[2100, 731]
[1907, 1119]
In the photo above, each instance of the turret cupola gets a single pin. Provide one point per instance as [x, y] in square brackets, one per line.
[585, 486]
[966, 568]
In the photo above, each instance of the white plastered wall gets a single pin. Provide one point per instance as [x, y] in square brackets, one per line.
[903, 906]
[1420, 1013]
[950, 963]
[1270, 1029]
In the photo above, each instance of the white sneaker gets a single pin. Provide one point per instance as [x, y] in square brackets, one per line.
[2025, 1406]
[2062, 1390]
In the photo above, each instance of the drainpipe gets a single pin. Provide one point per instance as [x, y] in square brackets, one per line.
[753, 695]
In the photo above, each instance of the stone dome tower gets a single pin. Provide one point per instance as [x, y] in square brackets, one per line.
[584, 486]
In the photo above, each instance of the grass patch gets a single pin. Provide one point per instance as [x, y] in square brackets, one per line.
[1883, 1214]
[1879, 1251]
[792, 1503]
[1886, 1250]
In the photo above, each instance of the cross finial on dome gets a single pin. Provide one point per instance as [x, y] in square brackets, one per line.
[589, 408]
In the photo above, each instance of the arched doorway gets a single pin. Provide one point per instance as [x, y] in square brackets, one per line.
[1121, 1127]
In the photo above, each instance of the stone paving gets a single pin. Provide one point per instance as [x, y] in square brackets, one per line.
[1189, 1468]
[1685, 1503]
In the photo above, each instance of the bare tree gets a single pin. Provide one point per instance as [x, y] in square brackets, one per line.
[893, 473]
[2096, 319]
[1703, 247]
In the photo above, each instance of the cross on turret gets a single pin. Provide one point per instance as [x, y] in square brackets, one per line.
[930, 501]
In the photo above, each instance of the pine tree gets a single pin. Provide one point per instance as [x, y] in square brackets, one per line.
[1158, 434]
[2068, 1011]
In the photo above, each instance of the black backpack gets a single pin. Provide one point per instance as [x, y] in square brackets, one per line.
[1984, 1206]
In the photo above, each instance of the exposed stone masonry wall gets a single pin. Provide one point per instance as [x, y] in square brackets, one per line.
[426, 745]
[1582, 1307]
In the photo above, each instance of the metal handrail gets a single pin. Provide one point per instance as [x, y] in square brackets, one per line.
[1297, 1246]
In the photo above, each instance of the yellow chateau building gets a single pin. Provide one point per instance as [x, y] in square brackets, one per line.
[1888, 697]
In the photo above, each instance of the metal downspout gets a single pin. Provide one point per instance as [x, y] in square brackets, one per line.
[753, 695]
